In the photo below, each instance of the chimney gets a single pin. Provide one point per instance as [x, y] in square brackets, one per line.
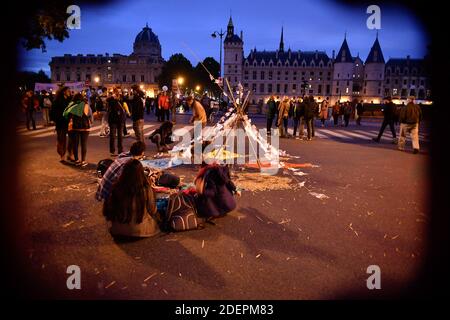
[242, 35]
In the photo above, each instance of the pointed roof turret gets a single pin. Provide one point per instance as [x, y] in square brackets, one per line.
[344, 54]
[281, 48]
[375, 54]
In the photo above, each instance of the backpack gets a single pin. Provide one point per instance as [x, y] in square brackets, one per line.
[181, 214]
[116, 112]
[102, 166]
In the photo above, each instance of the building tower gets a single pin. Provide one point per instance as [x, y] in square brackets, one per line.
[281, 48]
[233, 57]
[374, 74]
[344, 65]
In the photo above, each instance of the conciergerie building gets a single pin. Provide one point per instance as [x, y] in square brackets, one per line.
[342, 77]
[141, 67]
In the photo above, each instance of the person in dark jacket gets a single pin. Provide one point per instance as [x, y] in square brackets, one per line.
[299, 111]
[309, 116]
[30, 104]
[215, 191]
[61, 102]
[137, 112]
[347, 112]
[359, 111]
[388, 119]
[116, 115]
[162, 136]
[410, 116]
[270, 114]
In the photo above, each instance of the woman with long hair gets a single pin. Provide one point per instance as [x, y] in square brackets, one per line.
[131, 208]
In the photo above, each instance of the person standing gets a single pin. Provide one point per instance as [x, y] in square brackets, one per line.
[174, 101]
[347, 113]
[359, 112]
[283, 117]
[30, 104]
[116, 113]
[198, 113]
[61, 102]
[298, 115]
[123, 101]
[206, 104]
[335, 113]
[80, 119]
[102, 107]
[137, 112]
[388, 119]
[324, 112]
[148, 105]
[164, 105]
[270, 114]
[46, 106]
[410, 117]
[309, 116]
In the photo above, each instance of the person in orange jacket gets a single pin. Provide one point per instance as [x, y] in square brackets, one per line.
[164, 106]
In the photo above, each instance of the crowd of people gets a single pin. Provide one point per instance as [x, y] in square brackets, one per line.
[304, 111]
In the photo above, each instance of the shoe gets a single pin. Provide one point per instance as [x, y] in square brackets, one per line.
[394, 141]
[416, 151]
[376, 139]
[309, 139]
[113, 155]
[77, 162]
[71, 160]
[83, 163]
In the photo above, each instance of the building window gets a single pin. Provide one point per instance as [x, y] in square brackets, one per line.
[278, 88]
[328, 89]
[245, 75]
[294, 87]
[235, 57]
[262, 75]
[133, 78]
[78, 77]
[68, 77]
[269, 88]
[405, 82]
[394, 92]
[124, 78]
[58, 77]
[337, 90]
[254, 75]
[270, 75]
[261, 88]
[142, 78]
[88, 77]
[286, 88]
[319, 89]
[387, 81]
[254, 87]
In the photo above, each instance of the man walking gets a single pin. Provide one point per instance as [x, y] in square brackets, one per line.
[359, 112]
[410, 116]
[388, 119]
[116, 115]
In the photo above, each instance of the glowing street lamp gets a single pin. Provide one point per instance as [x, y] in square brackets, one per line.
[141, 86]
[180, 81]
[197, 88]
[97, 79]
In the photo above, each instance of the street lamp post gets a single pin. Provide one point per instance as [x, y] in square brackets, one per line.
[214, 35]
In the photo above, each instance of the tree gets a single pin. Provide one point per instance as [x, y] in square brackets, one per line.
[27, 79]
[177, 66]
[47, 21]
[203, 78]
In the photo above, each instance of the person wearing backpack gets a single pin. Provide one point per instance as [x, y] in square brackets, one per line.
[79, 127]
[410, 117]
[136, 103]
[309, 116]
[270, 114]
[116, 115]
[101, 107]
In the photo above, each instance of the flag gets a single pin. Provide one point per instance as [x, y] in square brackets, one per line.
[74, 108]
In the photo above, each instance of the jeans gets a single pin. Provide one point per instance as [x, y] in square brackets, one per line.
[346, 119]
[385, 123]
[296, 122]
[115, 129]
[31, 117]
[124, 127]
[413, 130]
[62, 144]
[335, 119]
[80, 139]
[165, 114]
[46, 116]
[138, 128]
[309, 127]
[269, 125]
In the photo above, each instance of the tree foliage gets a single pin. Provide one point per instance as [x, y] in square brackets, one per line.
[27, 79]
[177, 66]
[203, 78]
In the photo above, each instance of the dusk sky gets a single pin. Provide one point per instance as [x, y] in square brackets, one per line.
[308, 25]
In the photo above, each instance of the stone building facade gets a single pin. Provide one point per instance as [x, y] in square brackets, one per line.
[141, 67]
[342, 77]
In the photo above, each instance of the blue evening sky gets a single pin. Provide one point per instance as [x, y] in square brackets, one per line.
[308, 25]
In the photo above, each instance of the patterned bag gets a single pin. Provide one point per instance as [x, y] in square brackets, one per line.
[181, 213]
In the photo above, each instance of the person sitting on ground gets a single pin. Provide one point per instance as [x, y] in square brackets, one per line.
[162, 136]
[214, 191]
[112, 174]
[131, 208]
